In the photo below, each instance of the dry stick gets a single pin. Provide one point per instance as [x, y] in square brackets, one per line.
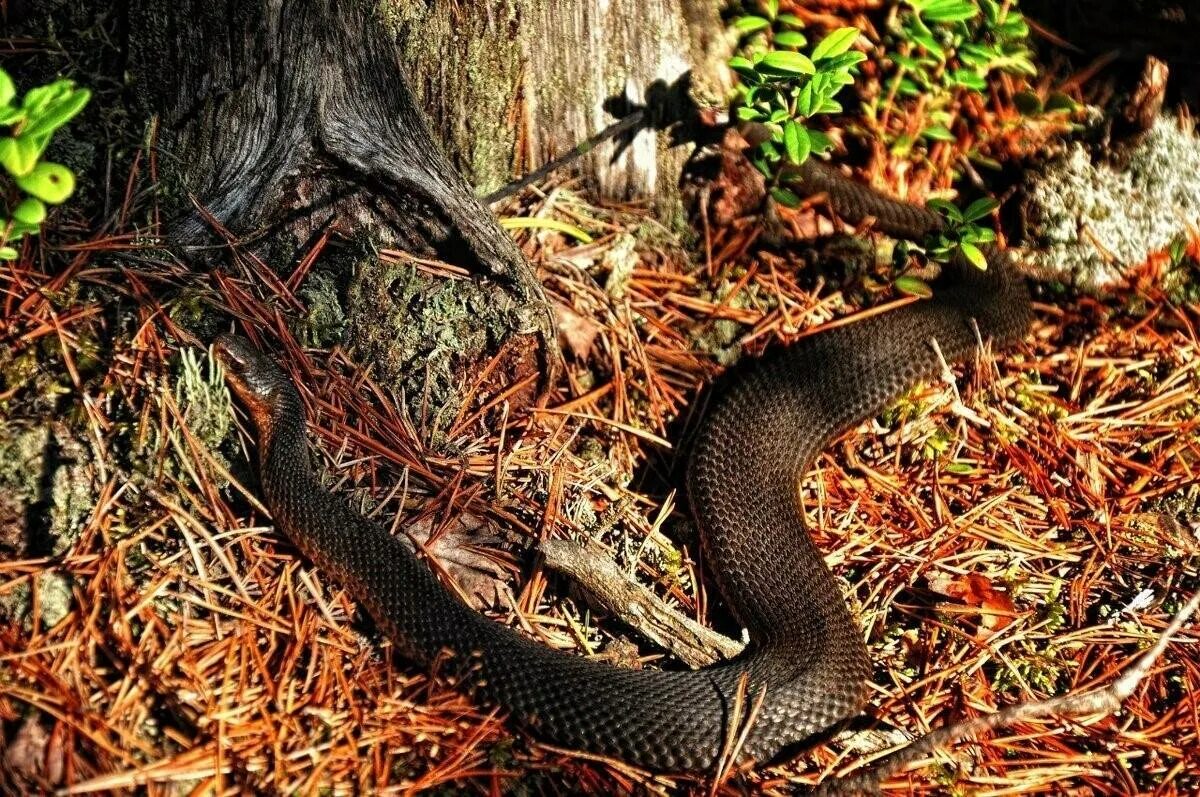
[579, 150]
[1104, 700]
[621, 594]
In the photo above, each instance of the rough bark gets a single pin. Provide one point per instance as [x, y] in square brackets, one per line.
[284, 118]
[510, 84]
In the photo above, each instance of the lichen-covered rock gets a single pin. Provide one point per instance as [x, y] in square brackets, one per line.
[1090, 223]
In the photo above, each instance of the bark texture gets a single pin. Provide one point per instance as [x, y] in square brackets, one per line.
[509, 84]
[284, 118]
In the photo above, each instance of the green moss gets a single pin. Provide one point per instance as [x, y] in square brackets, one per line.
[325, 321]
[422, 335]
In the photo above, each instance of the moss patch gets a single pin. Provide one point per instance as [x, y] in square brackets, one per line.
[423, 334]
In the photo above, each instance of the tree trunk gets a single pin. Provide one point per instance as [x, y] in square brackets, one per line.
[287, 118]
[510, 84]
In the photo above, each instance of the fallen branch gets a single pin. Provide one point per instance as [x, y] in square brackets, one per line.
[621, 594]
[1104, 700]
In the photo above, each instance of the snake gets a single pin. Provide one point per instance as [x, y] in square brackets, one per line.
[805, 668]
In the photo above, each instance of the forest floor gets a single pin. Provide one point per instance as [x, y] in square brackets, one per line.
[1023, 531]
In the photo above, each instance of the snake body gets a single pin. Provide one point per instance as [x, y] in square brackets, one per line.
[806, 664]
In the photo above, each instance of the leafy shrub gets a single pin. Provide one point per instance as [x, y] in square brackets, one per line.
[34, 183]
[782, 88]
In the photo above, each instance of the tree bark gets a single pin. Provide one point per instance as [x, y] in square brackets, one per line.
[510, 84]
[286, 118]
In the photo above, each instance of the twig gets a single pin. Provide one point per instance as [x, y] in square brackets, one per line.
[640, 608]
[1104, 700]
[578, 151]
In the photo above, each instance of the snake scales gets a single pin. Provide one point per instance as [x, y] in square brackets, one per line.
[806, 661]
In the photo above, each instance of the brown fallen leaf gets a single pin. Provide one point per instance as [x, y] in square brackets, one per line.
[978, 591]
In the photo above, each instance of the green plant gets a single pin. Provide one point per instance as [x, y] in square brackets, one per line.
[948, 47]
[960, 234]
[35, 183]
[781, 88]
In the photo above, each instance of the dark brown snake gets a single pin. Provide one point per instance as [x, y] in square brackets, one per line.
[806, 663]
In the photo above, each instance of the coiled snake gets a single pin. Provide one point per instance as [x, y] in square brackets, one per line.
[806, 663]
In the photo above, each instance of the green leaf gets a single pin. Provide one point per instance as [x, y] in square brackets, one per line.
[786, 62]
[30, 211]
[973, 254]
[819, 142]
[949, 11]
[980, 208]
[947, 209]
[796, 142]
[978, 235]
[960, 468]
[49, 182]
[19, 155]
[785, 197]
[804, 100]
[790, 38]
[830, 106]
[1057, 101]
[750, 24]
[1027, 102]
[748, 114]
[791, 20]
[11, 115]
[7, 89]
[57, 113]
[913, 286]
[838, 63]
[8, 253]
[771, 7]
[743, 67]
[938, 133]
[36, 100]
[835, 43]
[968, 78]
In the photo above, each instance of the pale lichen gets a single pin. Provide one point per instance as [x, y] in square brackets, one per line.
[1090, 222]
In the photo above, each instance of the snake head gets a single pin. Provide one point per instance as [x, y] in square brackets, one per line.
[257, 381]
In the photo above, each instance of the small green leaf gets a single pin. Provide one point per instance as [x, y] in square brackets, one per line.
[7, 89]
[975, 255]
[913, 286]
[1027, 102]
[57, 113]
[49, 182]
[11, 115]
[796, 142]
[748, 114]
[960, 468]
[786, 62]
[835, 43]
[1057, 101]
[804, 100]
[790, 38]
[820, 142]
[791, 20]
[38, 99]
[937, 133]
[19, 155]
[949, 11]
[980, 208]
[8, 253]
[742, 66]
[30, 211]
[947, 209]
[750, 24]
[785, 197]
